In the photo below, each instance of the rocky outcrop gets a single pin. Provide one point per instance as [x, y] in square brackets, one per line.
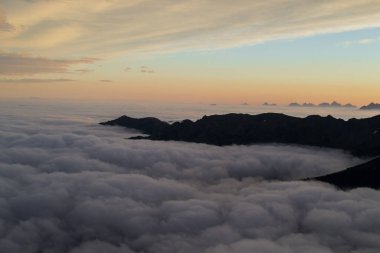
[148, 125]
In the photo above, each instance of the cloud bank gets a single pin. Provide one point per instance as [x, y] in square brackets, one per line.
[21, 64]
[171, 26]
[68, 185]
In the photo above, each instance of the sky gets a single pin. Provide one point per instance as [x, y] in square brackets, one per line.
[191, 51]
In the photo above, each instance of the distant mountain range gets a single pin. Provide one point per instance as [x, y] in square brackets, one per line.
[269, 104]
[358, 136]
[371, 106]
[325, 104]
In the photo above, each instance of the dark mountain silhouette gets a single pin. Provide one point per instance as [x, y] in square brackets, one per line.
[371, 106]
[146, 125]
[363, 175]
[358, 136]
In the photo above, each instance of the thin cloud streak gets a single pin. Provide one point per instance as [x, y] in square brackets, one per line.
[36, 80]
[172, 26]
[21, 64]
[146, 70]
[364, 41]
[82, 71]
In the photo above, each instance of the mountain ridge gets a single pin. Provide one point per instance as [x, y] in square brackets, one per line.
[358, 136]
[371, 106]
[362, 175]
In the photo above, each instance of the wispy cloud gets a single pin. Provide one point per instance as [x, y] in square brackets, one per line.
[170, 26]
[36, 80]
[82, 71]
[146, 70]
[4, 25]
[21, 64]
[105, 81]
[363, 41]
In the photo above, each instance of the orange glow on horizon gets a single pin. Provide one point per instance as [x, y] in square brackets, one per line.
[185, 92]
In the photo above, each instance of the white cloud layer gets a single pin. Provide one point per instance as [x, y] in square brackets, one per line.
[118, 26]
[70, 186]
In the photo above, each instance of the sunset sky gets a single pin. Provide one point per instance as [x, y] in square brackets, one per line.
[198, 51]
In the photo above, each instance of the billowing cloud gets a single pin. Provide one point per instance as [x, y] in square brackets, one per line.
[20, 64]
[167, 26]
[69, 185]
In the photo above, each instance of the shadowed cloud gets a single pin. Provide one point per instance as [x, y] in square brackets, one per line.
[70, 186]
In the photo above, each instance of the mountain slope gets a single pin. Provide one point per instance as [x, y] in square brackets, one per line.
[363, 175]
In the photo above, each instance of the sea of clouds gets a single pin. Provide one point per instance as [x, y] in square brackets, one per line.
[70, 185]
